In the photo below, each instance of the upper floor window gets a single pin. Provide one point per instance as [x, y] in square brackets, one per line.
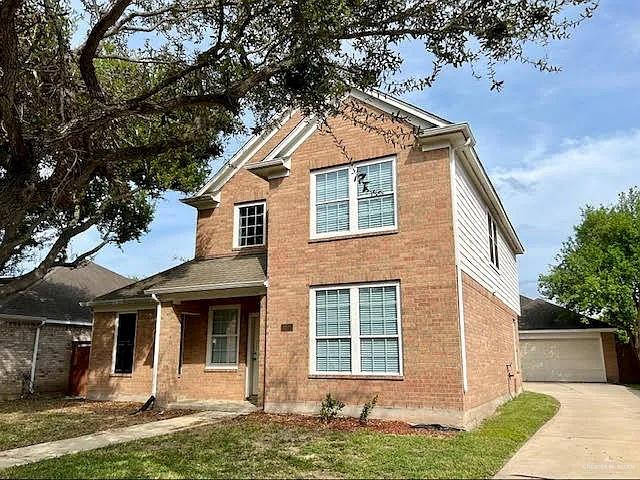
[493, 241]
[354, 198]
[249, 224]
[355, 329]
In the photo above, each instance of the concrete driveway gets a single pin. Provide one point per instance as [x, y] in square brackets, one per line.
[595, 434]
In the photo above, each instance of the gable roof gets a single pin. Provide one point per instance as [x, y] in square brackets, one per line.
[252, 146]
[538, 314]
[58, 295]
[432, 128]
[195, 275]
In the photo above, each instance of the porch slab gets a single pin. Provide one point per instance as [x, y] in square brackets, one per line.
[224, 406]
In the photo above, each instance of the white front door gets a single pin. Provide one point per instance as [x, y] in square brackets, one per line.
[253, 354]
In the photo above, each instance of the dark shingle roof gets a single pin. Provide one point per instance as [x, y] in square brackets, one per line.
[197, 275]
[58, 295]
[539, 314]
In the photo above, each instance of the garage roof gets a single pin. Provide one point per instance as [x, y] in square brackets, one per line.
[538, 314]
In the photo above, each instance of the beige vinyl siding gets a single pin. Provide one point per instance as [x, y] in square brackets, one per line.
[473, 243]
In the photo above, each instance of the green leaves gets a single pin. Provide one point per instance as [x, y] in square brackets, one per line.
[598, 268]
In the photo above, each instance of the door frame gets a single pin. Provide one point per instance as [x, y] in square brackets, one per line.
[252, 319]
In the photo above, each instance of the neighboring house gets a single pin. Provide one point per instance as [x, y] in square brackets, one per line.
[40, 325]
[304, 282]
[558, 345]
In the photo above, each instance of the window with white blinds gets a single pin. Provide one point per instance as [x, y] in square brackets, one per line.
[223, 336]
[355, 329]
[354, 199]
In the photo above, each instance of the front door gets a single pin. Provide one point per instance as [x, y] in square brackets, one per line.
[254, 354]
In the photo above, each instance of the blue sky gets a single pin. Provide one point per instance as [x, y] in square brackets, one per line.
[550, 142]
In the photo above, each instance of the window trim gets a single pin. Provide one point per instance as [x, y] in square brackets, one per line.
[236, 223]
[492, 228]
[354, 310]
[115, 344]
[222, 366]
[352, 199]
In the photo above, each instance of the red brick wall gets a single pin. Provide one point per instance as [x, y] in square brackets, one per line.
[419, 254]
[610, 356]
[491, 332]
[214, 230]
[53, 361]
[102, 383]
[196, 382]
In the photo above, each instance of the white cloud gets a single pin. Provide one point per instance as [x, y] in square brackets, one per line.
[545, 194]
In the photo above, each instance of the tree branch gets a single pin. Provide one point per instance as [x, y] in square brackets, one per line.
[90, 47]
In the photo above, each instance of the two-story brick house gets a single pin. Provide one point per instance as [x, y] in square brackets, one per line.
[361, 267]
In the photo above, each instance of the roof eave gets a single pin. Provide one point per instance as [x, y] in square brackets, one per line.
[460, 137]
[207, 287]
[271, 169]
[203, 202]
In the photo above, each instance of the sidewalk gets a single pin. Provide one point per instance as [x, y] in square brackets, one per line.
[43, 451]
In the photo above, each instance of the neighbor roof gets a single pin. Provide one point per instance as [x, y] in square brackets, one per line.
[195, 275]
[58, 295]
[538, 314]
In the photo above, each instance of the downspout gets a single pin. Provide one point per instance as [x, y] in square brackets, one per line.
[34, 358]
[156, 348]
[460, 298]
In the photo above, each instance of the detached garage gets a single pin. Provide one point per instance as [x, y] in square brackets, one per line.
[557, 345]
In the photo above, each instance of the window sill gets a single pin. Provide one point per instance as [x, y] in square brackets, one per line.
[121, 375]
[333, 376]
[249, 248]
[354, 235]
[220, 369]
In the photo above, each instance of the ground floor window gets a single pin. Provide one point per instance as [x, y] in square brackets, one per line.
[355, 329]
[223, 336]
[124, 343]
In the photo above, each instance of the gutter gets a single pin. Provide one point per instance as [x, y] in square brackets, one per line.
[211, 286]
[34, 358]
[43, 320]
[115, 301]
[156, 347]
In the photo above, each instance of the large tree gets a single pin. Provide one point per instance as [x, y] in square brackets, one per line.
[106, 105]
[598, 268]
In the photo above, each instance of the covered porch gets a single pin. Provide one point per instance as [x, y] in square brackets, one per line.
[209, 334]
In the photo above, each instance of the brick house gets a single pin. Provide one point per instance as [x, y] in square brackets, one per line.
[390, 270]
[40, 326]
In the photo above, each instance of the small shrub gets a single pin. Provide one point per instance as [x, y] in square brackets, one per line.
[330, 408]
[367, 408]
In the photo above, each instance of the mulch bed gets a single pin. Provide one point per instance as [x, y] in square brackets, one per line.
[349, 424]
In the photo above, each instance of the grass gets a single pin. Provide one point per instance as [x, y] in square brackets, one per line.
[635, 386]
[249, 448]
[30, 421]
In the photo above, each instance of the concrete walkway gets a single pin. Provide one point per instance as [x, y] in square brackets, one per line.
[595, 434]
[58, 448]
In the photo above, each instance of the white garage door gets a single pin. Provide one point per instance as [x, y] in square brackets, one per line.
[562, 360]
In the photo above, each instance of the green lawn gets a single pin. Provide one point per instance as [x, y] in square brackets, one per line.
[29, 421]
[635, 386]
[247, 447]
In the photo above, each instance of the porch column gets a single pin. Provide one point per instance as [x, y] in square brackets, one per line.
[168, 353]
[263, 351]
